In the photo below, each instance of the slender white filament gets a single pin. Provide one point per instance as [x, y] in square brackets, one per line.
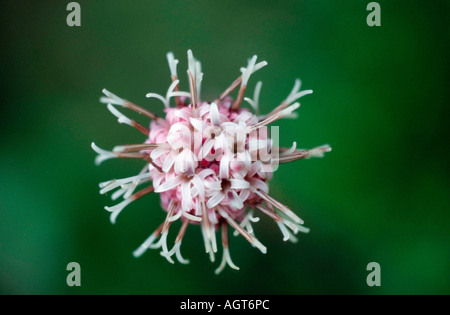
[226, 260]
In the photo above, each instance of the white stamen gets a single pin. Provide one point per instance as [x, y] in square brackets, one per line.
[115, 210]
[176, 250]
[191, 62]
[295, 94]
[147, 243]
[122, 119]
[111, 98]
[247, 72]
[260, 246]
[171, 88]
[283, 230]
[291, 150]
[194, 70]
[198, 77]
[189, 216]
[226, 259]
[291, 116]
[252, 218]
[118, 193]
[278, 205]
[160, 97]
[175, 217]
[253, 240]
[103, 155]
[259, 65]
[170, 93]
[274, 117]
[295, 89]
[130, 188]
[163, 244]
[207, 242]
[319, 151]
[292, 237]
[289, 110]
[172, 64]
[287, 234]
[295, 227]
[255, 102]
[246, 223]
[212, 237]
[112, 184]
[166, 256]
[179, 93]
[256, 67]
[178, 254]
[136, 147]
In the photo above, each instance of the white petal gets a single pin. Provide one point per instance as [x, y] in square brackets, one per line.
[169, 184]
[205, 173]
[260, 184]
[224, 167]
[239, 184]
[186, 201]
[197, 124]
[156, 153]
[198, 184]
[168, 163]
[236, 202]
[215, 199]
[244, 194]
[185, 162]
[214, 113]
[206, 148]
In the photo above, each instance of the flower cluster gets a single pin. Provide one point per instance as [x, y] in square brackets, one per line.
[209, 161]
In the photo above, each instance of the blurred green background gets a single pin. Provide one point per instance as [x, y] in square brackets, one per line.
[380, 100]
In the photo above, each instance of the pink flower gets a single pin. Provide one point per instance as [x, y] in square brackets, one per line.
[209, 161]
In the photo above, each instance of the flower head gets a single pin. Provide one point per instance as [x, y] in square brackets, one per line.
[209, 161]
